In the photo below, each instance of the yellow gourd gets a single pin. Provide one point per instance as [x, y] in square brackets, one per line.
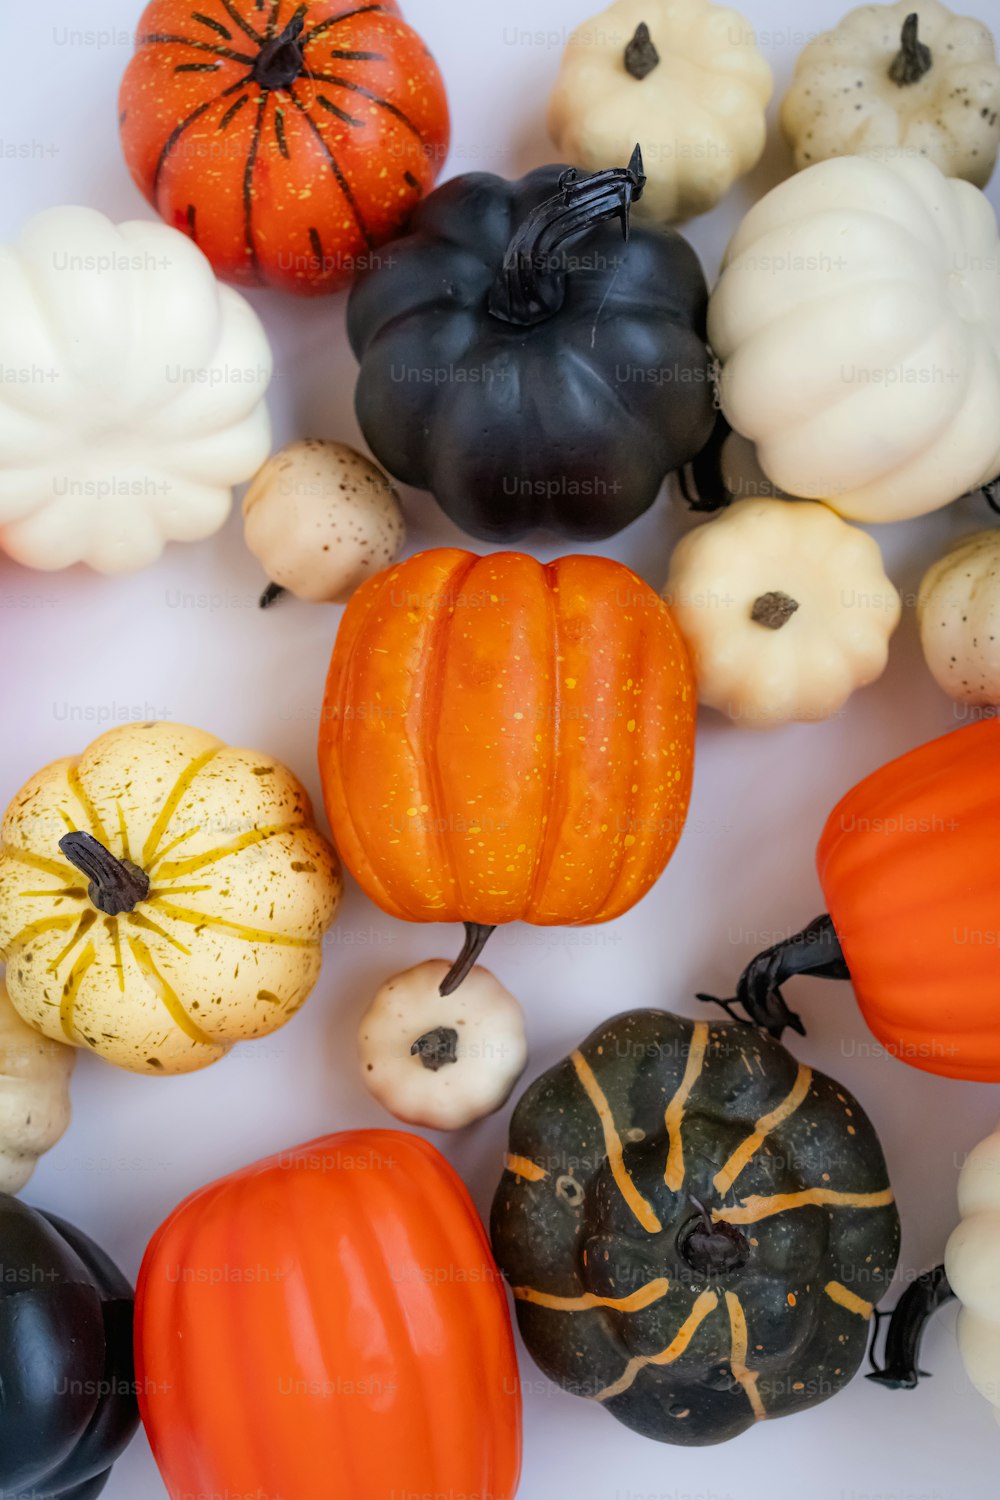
[34, 1095]
[162, 896]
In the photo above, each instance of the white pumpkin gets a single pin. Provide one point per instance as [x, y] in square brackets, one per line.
[958, 611]
[321, 518]
[442, 1062]
[684, 79]
[34, 1095]
[132, 398]
[857, 320]
[785, 609]
[163, 896]
[972, 1264]
[911, 78]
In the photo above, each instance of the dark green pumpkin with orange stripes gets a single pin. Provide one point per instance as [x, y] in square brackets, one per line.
[695, 1226]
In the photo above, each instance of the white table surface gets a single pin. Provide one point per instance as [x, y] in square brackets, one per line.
[184, 640]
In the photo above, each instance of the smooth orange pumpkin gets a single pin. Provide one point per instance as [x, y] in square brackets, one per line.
[503, 740]
[286, 137]
[329, 1324]
[909, 862]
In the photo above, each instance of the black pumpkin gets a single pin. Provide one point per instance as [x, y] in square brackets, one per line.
[696, 1227]
[523, 382]
[67, 1382]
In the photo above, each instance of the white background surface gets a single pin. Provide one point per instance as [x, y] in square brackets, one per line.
[184, 640]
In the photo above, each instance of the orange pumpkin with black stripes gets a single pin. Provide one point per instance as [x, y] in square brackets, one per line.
[287, 139]
[505, 741]
[696, 1227]
[329, 1324]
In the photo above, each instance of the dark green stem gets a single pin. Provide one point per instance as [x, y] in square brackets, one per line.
[815, 951]
[900, 1369]
[116, 885]
[436, 1048]
[476, 938]
[913, 59]
[531, 283]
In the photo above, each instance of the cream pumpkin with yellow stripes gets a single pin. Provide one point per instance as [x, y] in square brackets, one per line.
[163, 896]
[696, 1227]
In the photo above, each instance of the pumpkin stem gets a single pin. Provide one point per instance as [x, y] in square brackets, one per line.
[991, 491]
[913, 59]
[702, 481]
[773, 609]
[271, 594]
[280, 61]
[815, 951]
[476, 937]
[436, 1048]
[711, 1246]
[531, 283]
[116, 885]
[909, 1318]
[641, 57]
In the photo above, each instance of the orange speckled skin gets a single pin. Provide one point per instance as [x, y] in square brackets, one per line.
[909, 862]
[503, 740]
[329, 1324]
[290, 187]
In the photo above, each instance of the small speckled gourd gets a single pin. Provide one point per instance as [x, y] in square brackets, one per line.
[696, 1227]
[321, 518]
[34, 1095]
[909, 79]
[958, 611]
[162, 896]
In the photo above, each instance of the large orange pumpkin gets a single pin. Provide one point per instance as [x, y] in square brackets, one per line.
[909, 862]
[287, 139]
[503, 740]
[329, 1324]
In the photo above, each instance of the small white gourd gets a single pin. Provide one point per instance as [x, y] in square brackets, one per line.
[34, 1095]
[321, 518]
[958, 612]
[442, 1061]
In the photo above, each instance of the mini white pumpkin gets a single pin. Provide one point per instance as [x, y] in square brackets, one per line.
[442, 1062]
[972, 1265]
[133, 393]
[910, 78]
[857, 319]
[321, 518]
[685, 79]
[785, 609]
[958, 611]
[163, 896]
[34, 1095]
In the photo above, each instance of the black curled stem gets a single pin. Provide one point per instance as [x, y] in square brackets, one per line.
[531, 283]
[712, 1247]
[991, 491]
[115, 885]
[477, 935]
[814, 951]
[271, 595]
[281, 60]
[702, 482]
[900, 1369]
[914, 59]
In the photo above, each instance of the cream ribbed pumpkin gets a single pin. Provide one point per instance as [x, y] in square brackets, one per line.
[198, 919]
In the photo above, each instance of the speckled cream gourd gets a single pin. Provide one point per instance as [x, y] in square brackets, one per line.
[910, 79]
[958, 611]
[198, 917]
[34, 1095]
[321, 518]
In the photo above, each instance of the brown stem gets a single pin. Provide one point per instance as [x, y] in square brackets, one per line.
[774, 609]
[913, 59]
[280, 61]
[115, 885]
[641, 57]
[476, 937]
[271, 594]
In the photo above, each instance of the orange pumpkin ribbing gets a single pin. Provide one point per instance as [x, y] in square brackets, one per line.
[503, 740]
